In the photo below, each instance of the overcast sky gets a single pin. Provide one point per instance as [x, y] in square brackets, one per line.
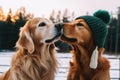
[44, 7]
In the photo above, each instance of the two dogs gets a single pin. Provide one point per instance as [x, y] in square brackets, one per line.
[35, 58]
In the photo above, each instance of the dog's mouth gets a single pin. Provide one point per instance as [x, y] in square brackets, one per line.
[64, 38]
[59, 28]
[54, 38]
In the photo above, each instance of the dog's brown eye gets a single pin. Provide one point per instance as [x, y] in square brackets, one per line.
[79, 24]
[42, 24]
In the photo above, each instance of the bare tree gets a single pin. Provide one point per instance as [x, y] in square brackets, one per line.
[52, 16]
[9, 17]
[58, 17]
[21, 13]
[2, 16]
[65, 15]
[72, 16]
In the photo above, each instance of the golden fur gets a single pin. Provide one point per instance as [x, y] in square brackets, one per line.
[79, 36]
[34, 59]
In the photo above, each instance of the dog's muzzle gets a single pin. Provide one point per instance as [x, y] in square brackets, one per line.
[59, 28]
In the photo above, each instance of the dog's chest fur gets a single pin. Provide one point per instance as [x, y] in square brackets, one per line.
[35, 66]
[81, 59]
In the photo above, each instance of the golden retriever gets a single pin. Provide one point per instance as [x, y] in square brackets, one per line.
[35, 57]
[79, 36]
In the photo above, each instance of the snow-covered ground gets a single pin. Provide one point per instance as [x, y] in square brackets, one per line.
[64, 58]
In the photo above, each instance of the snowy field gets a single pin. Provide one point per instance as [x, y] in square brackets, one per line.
[64, 58]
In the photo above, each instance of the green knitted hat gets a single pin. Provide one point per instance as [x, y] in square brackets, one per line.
[98, 25]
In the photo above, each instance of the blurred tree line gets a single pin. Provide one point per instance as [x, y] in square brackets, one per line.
[10, 25]
[113, 38]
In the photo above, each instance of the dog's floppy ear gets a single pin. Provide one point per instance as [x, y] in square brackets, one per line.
[25, 39]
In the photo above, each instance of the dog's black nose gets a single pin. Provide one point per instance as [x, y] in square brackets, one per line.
[59, 26]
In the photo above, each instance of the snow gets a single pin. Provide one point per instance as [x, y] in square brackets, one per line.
[64, 59]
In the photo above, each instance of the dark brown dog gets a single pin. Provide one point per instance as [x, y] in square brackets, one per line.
[79, 36]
